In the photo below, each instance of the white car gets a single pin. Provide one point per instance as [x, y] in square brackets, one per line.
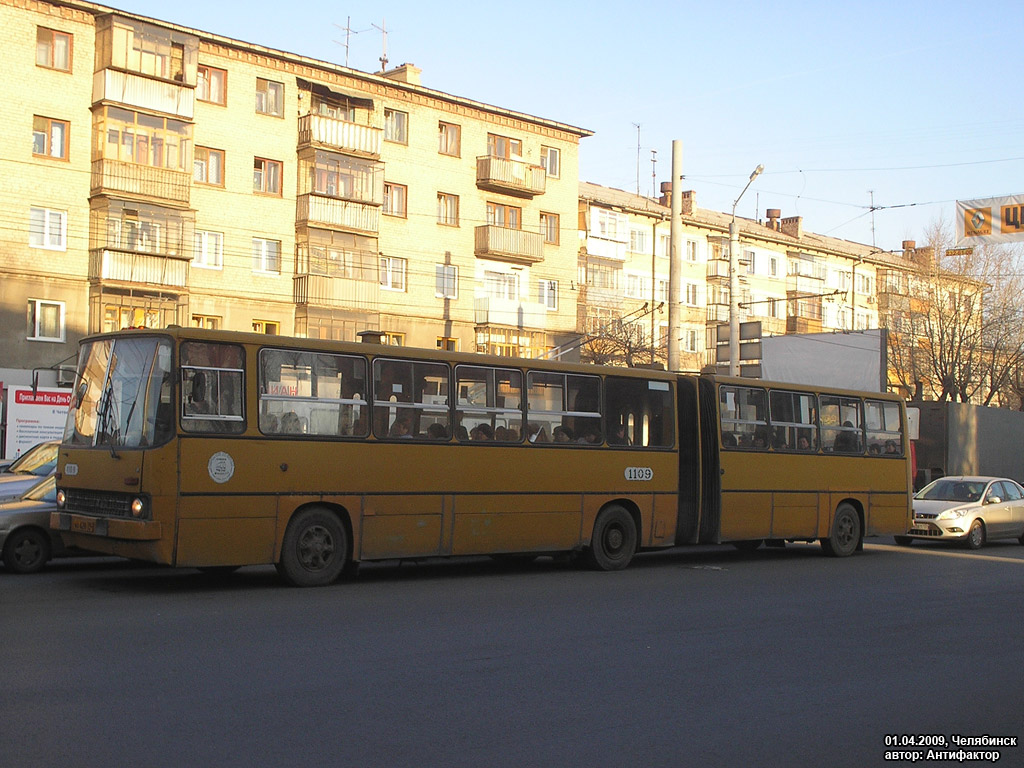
[971, 510]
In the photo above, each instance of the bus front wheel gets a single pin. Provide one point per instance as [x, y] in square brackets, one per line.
[845, 535]
[315, 549]
[614, 540]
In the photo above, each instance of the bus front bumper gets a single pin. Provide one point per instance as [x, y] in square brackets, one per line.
[105, 527]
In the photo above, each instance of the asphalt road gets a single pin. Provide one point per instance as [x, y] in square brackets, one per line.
[693, 657]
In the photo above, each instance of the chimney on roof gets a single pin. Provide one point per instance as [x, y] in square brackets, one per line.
[793, 226]
[773, 218]
[688, 200]
[925, 256]
[404, 73]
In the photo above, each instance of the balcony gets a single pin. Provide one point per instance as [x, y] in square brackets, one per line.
[510, 177]
[135, 90]
[350, 138]
[489, 310]
[118, 177]
[138, 268]
[512, 245]
[338, 292]
[718, 268]
[334, 213]
[717, 313]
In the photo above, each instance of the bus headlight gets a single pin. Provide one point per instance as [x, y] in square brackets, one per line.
[61, 498]
[138, 507]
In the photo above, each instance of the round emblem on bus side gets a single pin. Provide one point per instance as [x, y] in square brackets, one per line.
[221, 467]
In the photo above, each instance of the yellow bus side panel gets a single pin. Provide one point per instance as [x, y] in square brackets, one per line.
[795, 515]
[225, 541]
[516, 523]
[746, 515]
[889, 514]
[401, 526]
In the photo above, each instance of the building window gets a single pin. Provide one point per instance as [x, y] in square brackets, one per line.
[396, 126]
[45, 320]
[393, 339]
[448, 343]
[503, 146]
[501, 215]
[208, 166]
[266, 176]
[638, 241]
[269, 97]
[269, 327]
[549, 228]
[53, 49]
[446, 281]
[548, 293]
[551, 161]
[447, 209]
[210, 322]
[117, 317]
[208, 250]
[501, 285]
[212, 85]
[449, 138]
[49, 137]
[690, 341]
[266, 255]
[395, 199]
[47, 229]
[392, 273]
[691, 294]
[748, 256]
[773, 266]
[691, 250]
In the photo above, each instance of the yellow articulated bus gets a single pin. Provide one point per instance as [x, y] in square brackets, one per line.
[218, 450]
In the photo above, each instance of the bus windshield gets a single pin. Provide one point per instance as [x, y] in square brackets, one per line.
[123, 396]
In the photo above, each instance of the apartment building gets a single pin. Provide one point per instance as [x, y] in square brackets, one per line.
[791, 280]
[156, 174]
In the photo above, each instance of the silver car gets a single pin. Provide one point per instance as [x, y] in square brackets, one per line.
[966, 509]
[26, 541]
[28, 469]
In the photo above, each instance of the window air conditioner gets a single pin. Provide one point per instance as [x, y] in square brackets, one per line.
[65, 376]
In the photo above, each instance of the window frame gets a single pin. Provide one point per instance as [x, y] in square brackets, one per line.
[47, 135]
[47, 232]
[261, 174]
[389, 206]
[200, 241]
[207, 165]
[387, 269]
[52, 49]
[447, 209]
[33, 323]
[507, 212]
[272, 101]
[550, 228]
[446, 275]
[263, 258]
[200, 80]
[548, 294]
[545, 154]
[449, 134]
[396, 126]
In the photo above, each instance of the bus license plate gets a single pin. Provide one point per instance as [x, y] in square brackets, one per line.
[83, 526]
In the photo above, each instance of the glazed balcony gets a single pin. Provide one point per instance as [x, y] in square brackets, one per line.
[120, 266]
[334, 213]
[513, 245]
[330, 291]
[121, 178]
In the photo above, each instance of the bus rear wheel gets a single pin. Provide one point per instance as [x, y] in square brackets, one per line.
[315, 549]
[614, 540]
[845, 535]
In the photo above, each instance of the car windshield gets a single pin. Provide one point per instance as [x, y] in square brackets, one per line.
[38, 460]
[45, 490]
[949, 489]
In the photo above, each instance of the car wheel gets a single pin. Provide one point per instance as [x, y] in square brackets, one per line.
[845, 535]
[315, 549]
[614, 540]
[976, 535]
[903, 541]
[26, 550]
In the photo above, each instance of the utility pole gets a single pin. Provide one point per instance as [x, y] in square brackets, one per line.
[674, 263]
[734, 282]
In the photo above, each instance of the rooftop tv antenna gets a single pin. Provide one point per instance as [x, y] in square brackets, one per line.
[384, 35]
[347, 29]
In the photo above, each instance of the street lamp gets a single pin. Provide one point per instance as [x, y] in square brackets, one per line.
[734, 299]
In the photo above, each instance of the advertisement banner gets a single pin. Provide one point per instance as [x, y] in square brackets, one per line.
[33, 417]
[992, 220]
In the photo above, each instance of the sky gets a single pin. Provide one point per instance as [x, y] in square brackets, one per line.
[904, 105]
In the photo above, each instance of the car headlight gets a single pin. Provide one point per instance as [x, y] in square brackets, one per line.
[952, 514]
[138, 507]
[62, 498]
